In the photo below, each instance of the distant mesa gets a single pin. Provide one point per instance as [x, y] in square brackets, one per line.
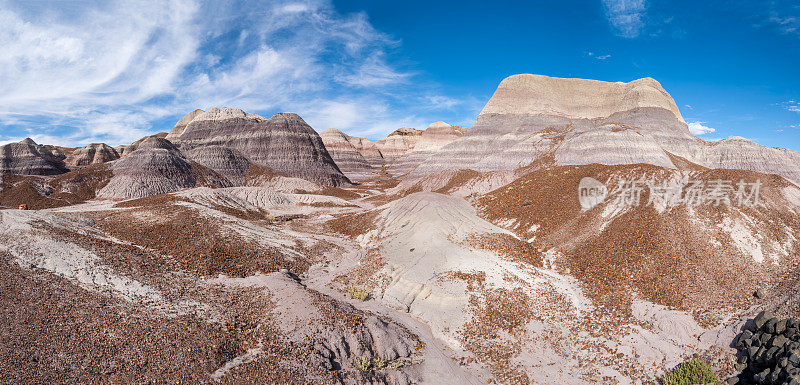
[556, 121]
[438, 135]
[349, 158]
[28, 158]
[284, 142]
[94, 153]
[432, 139]
[399, 142]
[528, 94]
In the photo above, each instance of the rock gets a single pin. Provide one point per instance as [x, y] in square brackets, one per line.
[28, 158]
[752, 352]
[762, 319]
[742, 359]
[94, 153]
[769, 327]
[120, 149]
[774, 376]
[746, 335]
[179, 127]
[759, 294]
[770, 353]
[284, 142]
[779, 341]
[732, 381]
[780, 327]
[762, 376]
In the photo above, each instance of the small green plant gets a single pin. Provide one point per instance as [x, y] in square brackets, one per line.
[379, 363]
[358, 293]
[363, 363]
[691, 372]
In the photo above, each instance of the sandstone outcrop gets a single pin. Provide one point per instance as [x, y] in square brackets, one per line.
[176, 131]
[120, 149]
[94, 153]
[283, 142]
[28, 158]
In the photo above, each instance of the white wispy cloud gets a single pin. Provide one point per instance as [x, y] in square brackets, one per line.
[598, 57]
[786, 24]
[86, 72]
[792, 105]
[699, 128]
[625, 16]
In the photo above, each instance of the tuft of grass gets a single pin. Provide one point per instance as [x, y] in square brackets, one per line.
[358, 293]
[692, 372]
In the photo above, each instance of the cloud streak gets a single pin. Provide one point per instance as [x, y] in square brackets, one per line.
[625, 16]
[114, 71]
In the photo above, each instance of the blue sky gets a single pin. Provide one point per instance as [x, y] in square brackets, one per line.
[75, 72]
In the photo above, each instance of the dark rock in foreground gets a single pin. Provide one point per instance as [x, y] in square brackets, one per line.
[769, 351]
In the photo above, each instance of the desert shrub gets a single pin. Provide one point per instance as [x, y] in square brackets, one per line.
[358, 293]
[691, 372]
[363, 363]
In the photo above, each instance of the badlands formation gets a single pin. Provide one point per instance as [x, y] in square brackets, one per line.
[237, 249]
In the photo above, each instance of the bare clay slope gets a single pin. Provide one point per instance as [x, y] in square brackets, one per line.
[347, 157]
[283, 142]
